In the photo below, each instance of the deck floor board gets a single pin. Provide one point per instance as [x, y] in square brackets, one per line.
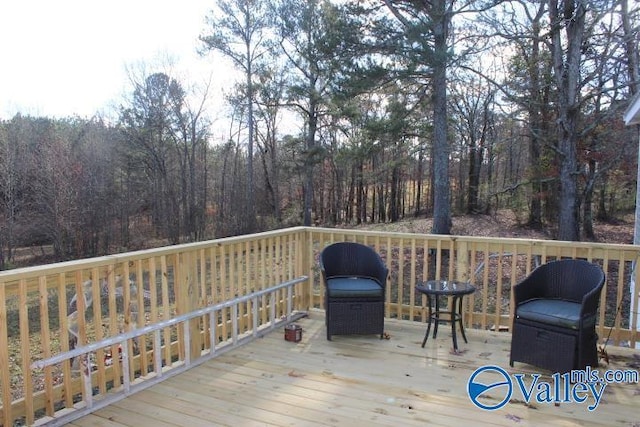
[357, 380]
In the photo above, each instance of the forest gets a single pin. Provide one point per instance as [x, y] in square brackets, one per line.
[344, 113]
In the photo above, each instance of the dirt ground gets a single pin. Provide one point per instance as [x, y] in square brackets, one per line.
[505, 224]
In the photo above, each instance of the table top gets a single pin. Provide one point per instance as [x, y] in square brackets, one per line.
[445, 287]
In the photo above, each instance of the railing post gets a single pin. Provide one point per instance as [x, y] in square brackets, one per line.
[462, 260]
[186, 289]
[304, 267]
[463, 273]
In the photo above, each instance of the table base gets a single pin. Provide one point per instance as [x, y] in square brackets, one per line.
[453, 318]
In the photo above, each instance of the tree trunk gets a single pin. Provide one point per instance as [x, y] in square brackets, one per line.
[536, 107]
[310, 161]
[359, 192]
[394, 196]
[475, 159]
[419, 178]
[250, 203]
[587, 211]
[441, 20]
[567, 76]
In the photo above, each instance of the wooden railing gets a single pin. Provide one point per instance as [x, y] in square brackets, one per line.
[54, 309]
[493, 265]
[263, 301]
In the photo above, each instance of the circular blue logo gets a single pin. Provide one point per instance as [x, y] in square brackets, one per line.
[490, 378]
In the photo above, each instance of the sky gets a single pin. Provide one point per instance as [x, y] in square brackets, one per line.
[65, 58]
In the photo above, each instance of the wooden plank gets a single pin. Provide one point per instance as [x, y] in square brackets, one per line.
[162, 410]
[224, 292]
[459, 375]
[355, 380]
[498, 296]
[124, 415]
[307, 405]
[96, 293]
[45, 343]
[25, 349]
[128, 323]
[252, 406]
[113, 325]
[5, 374]
[192, 403]
[153, 312]
[64, 339]
[166, 308]
[94, 420]
[138, 303]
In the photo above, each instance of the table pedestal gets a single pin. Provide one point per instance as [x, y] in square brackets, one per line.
[457, 290]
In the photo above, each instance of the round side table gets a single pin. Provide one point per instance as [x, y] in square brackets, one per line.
[436, 288]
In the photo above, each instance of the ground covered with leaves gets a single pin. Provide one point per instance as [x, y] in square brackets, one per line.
[505, 224]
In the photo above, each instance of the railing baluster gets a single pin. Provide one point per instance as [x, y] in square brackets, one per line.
[26, 351]
[126, 376]
[157, 352]
[85, 368]
[213, 316]
[99, 333]
[272, 309]
[187, 342]
[46, 342]
[289, 302]
[254, 311]
[5, 380]
[234, 323]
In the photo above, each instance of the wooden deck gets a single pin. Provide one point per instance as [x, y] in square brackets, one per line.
[358, 380]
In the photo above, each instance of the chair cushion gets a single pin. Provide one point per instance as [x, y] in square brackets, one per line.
[350, 287]
[565, 314]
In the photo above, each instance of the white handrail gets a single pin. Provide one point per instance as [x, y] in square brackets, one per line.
[118, 339]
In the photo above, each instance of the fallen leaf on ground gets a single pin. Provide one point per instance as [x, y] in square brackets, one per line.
[513, 418]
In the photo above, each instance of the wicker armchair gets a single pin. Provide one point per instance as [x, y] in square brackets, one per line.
[355, 278]
[555, 316]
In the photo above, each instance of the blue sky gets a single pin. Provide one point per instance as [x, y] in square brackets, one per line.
[63, 58]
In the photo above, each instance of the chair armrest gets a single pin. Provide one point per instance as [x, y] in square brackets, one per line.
[529, 288]
[382, 275]
[591, 301]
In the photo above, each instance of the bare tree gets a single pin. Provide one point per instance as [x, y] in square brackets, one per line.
[190, 132]
[270, 97]
[472, 114]
[57, 176]
[11, 153]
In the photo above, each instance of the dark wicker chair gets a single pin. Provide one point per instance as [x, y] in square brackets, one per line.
[555, 316]
[355, 278]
